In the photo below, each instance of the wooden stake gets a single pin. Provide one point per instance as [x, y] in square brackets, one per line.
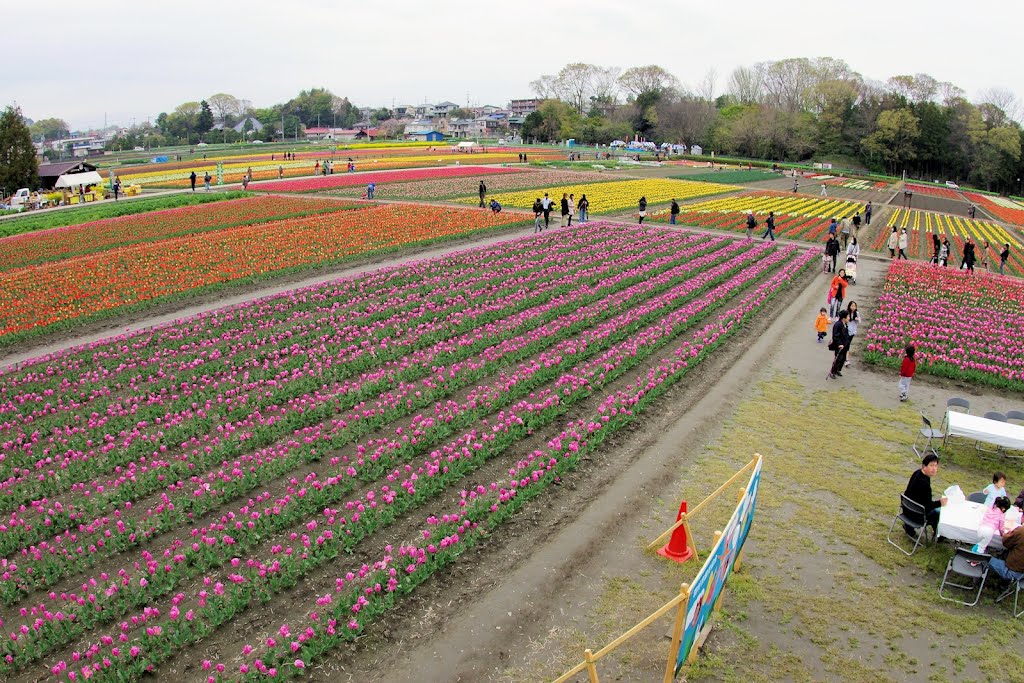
[677, 633]
[588, 657]
[689, 540]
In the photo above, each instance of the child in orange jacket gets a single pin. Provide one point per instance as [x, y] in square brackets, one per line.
[821, 324]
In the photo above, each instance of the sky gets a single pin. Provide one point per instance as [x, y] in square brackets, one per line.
[124, 63]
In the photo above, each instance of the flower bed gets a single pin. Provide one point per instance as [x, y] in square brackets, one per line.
[964, 326]
[52, 245]
[1010, 214]
[932, 191]
[60, 292]
[794, 205]
[361, 180]
[356, 402]
[614, 196]
[447, 188]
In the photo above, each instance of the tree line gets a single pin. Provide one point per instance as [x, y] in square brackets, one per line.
[794, 110]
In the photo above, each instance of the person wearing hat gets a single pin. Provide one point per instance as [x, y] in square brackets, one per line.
[751, 224]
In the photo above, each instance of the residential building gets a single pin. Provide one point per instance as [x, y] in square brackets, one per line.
[524, 107]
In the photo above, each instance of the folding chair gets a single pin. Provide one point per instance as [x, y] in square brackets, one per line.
[955, 402]
[969, 565]
[991, 415]
[978, 497]
[913, 516]
[929, 433]
[1014, 588]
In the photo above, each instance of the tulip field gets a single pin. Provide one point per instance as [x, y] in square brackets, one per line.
[1001, 208]
[612, 196]
[359, 181]
[964, 326]
[351, 438]
[170, 257]
[796, 217]
[451, 187]
[921, 225]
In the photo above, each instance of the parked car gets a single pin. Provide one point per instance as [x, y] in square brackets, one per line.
[257, 142]
[951, 185]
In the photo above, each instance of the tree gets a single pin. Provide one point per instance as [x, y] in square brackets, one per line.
[382, 114]
[460, 113]
[894, 140]
[18, 167]
[204, 120]
[49, 129]
[574, 84]
[746, 85]
[638, 80]
[224, 106]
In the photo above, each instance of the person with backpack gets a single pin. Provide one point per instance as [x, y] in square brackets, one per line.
[832, 251]
[538, 212]
[751, 224]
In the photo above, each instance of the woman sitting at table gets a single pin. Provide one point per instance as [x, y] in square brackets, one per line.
[991, 523]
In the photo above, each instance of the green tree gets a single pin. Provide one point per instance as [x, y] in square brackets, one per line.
[18, 166]
[895, 138]
[204, 120]
[49, 129]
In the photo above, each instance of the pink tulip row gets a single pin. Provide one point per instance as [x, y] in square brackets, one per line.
[963, 326]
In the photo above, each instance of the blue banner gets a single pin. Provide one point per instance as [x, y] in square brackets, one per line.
[707, 586]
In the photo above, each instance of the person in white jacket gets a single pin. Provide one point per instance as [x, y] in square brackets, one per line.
[904, 240]
[892, 243]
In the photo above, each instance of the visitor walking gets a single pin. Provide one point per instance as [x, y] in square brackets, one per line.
[546, 207]
[565, 209]
[970, 211]
[856, 224]
[839, 345]
[584, 207]
[482, 191]
[902, 242]
[868, 210]
[673, 213]
[206, 180]
[907, 370]
[280, 172]
[844, 231]
[316, 167]
[832, 251]
[572, 208]
[852, 321]
[796, 182]
[944, 253]
[824, 190]
[192, 179]
[117, 188]
[770, 223]
[538, 212]
[751, 224]
[643, 209]
[936, 248]
[1004, 256]
[969, 257]
[893, 242]
[837, 292]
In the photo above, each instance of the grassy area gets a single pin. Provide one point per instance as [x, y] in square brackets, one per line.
[851, 606]
[108, 209]
[821, 595]
[730, 177]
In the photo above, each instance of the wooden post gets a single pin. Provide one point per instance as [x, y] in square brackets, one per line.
[689, 538]
[588, 657]
[677, 632]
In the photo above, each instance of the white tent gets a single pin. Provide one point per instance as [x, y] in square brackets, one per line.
[466, 144]
[77, 179]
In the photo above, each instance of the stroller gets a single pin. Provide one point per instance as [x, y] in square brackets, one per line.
[851, 269]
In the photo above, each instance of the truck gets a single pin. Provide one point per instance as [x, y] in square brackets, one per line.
[19, 199]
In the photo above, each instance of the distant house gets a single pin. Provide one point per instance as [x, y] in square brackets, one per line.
[523, 107]
[444, 108]
[403, 111]
[254, 125]
[428, 136]
[341, 134]
[420, 127]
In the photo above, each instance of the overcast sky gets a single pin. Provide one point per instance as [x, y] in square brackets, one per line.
[126, 61]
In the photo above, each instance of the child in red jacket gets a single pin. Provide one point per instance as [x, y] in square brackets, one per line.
[907, 370]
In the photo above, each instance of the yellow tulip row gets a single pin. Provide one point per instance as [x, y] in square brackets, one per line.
[613, 196]
[810, 207]
[954, 225]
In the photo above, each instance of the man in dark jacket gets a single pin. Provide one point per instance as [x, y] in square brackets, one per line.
[832, 249]
[482, 191]
[673, 212]
[919, 490]
[840, 344]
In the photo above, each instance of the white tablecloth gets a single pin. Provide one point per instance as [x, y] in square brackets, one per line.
[960, 522]
[977, 428]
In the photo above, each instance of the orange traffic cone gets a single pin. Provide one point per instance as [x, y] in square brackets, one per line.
[678, 547]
